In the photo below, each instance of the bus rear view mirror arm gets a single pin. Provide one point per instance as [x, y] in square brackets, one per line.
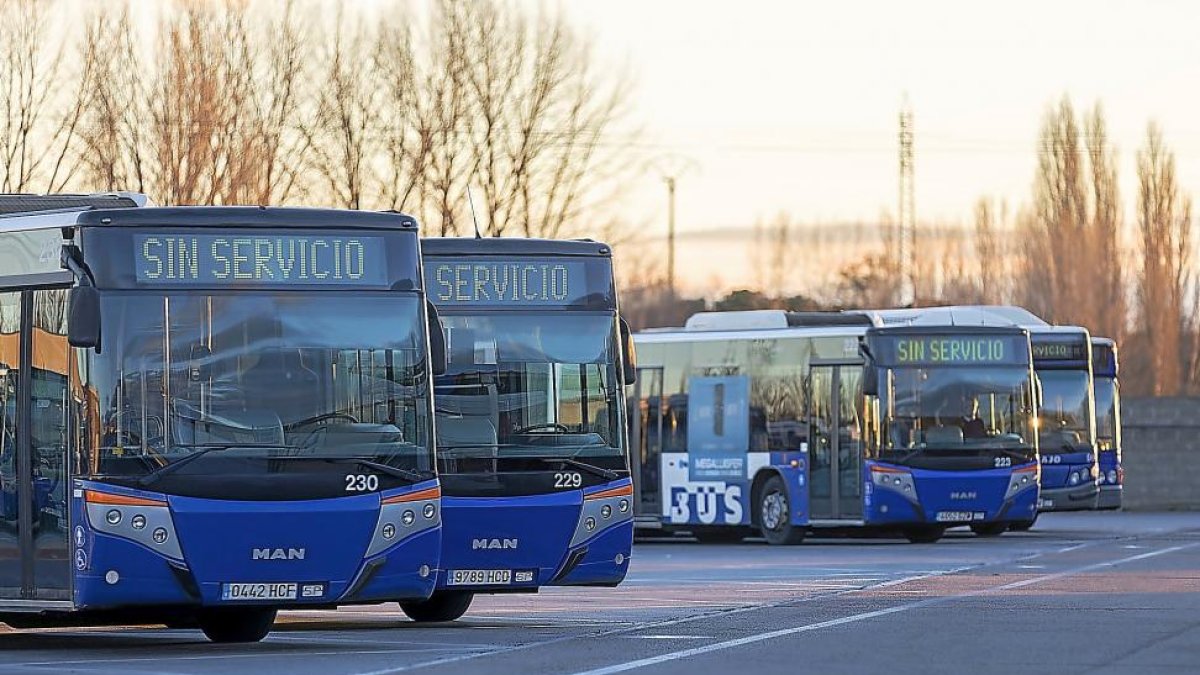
[437, 340]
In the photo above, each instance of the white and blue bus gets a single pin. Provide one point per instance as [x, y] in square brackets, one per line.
[786, 423]
[533, 451]
[212, 413]
[1108, 422]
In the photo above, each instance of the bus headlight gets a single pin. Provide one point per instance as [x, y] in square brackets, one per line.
[894, 480]
[1073, 479]
[144, 519]
[1112, 476]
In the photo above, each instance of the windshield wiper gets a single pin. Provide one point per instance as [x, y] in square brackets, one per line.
[202, 449]
[607, 474]
[393, 471]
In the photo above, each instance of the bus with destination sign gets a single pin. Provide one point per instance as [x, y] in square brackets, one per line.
[787, 423]
[532, 446]
[1062, 359]
[1108, 422]
[214, 413]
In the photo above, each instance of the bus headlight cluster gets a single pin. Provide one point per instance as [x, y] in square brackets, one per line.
[400, 517]
[145, 520]
[603, 509]
[895, 480]
[1021, 480]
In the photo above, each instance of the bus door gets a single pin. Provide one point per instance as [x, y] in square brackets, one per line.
[645, 441]
[35, 558]
[835, 442]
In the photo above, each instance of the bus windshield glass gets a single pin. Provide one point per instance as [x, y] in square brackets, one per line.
[1065, 419]
[529, 385]
[957, 411]
[1106, 411]
[261, 376]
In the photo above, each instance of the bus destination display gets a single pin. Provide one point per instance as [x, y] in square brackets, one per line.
[1060, 351]
[267, 259]
[953, 350]
[498, 282]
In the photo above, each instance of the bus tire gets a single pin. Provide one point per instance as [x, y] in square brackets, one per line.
[774, 514]
[924, 534]
[1023, 525]
[241, 624]
[443, 606]
[989, 529]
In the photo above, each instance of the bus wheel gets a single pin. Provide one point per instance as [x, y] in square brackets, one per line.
[990, 529]
[243, 624]
[774, 514]
[1022, 526]
[444, 606]
[924, 534]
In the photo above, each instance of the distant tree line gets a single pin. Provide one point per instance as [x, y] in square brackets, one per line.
[1067, 255]
[390, 106]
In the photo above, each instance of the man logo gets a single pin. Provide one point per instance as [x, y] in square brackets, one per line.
[964, 495]
[277, 554]
[477, 544]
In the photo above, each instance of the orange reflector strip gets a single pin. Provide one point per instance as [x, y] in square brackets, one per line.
[885, 469]
[623, 491]
[419, 495]
[95, 497]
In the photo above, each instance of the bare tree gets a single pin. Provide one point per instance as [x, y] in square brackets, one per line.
[991, 254]
[1104, 243]
[1164, 222]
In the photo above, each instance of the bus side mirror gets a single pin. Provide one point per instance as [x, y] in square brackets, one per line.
[870, 380]
[437, 340]
[83, 317]
[628, 353]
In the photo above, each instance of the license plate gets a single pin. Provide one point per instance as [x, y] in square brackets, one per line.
[480, 577]
[959, 516]
[1045, 503]
[260, 591]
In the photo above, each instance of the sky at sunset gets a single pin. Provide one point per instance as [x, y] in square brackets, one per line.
[792, 106]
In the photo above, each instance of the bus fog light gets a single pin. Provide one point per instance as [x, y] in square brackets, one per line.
[590, 523]
[606, 511]
[138, 522]
[389, 531]
[423, 571]
[430, 509]
[624, 505]
[113, 517]
[620, 559]
[160, 535]
[111, 577]
[408, 517]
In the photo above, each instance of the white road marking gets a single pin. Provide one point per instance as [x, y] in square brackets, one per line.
[855, 618]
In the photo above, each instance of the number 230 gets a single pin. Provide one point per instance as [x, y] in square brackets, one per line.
[357, 482]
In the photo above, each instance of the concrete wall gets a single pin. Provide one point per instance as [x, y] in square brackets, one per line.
[1161, 438]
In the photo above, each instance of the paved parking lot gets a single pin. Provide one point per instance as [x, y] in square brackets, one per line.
[1081, 593]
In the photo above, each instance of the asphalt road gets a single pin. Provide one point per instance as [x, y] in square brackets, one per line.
[1081, 593]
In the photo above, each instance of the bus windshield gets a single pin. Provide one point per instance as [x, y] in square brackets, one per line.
[261, 375]
[1106, 411]
[1065, 419]
[529, 385]
[958, 410]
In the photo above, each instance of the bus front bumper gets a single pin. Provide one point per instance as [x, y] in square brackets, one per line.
[1110, 497]
[1077, 498]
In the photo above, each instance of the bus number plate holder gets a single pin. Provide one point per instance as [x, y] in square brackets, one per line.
[480, 577]
[259, 591]
[960, 516]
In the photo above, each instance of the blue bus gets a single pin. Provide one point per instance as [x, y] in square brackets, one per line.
[532, 444]
[786, 423]
[246, 418]
[1108, 422]
[1062, 359]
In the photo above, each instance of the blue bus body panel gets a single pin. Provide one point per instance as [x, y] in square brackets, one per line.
[319, 543]
[476, 531]
[538, 535]
[981, 494]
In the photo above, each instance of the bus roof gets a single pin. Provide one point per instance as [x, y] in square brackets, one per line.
[767, 319]
[512, 246]
[26, 203]
[246, 216]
